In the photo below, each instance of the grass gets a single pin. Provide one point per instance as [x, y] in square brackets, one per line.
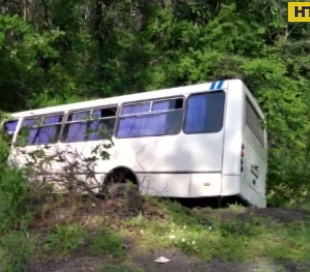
[103, 230]
[64, 239]
[106, 242]
[237, 239]
[227, 240]
[16, 249]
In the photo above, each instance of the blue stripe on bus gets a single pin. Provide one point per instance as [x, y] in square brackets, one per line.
[213, 84]
[220, 84]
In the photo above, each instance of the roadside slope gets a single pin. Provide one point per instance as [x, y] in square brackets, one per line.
[81, 235]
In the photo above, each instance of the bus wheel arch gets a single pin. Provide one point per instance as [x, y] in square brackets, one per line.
[120, 181]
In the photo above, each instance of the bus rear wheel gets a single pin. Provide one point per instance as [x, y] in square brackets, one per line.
[122, 190]
[126, 197]
[121, 183]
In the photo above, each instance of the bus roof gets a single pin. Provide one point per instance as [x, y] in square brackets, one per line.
[211, 86]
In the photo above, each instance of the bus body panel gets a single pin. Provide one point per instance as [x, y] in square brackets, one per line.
[252, 196]
[205, 185]
[233, 128]
[253, 176]
[254, 164]
[231, 185]
[170, 154]
[167, 184]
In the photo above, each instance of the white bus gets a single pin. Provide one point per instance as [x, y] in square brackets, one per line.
[204, 140]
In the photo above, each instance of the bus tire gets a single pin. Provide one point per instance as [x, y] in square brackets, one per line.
[120, 182]
[121, 190]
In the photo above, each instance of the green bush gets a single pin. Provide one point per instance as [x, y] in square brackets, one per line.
[14, 193]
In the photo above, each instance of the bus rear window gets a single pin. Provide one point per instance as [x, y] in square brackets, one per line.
[204, 113]
[254, 122]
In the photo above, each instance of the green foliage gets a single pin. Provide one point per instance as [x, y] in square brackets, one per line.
[290, 244]
[16, 248]
[106, 242]
[22, 48]
[65, 239]
[14, 193]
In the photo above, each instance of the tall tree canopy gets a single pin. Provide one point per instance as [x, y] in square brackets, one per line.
[57, 51]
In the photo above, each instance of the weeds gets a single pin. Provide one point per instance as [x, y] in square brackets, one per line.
[120, 268]
[106, 242]
[16, 249]
[65, 239]
[14, 191]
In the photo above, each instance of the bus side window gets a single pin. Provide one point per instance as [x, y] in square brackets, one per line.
[89, 125]
[9, 128]
[102, 125]
[41, 130]
[204, 113]
[163, 117]
[50, 129]
[76, 127]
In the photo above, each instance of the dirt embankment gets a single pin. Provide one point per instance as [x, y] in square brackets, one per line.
[180, 262]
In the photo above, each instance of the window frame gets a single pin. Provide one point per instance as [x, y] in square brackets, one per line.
[206, 93]
[90, 111]
[42, 117]
[151, 100]
[77, 121]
